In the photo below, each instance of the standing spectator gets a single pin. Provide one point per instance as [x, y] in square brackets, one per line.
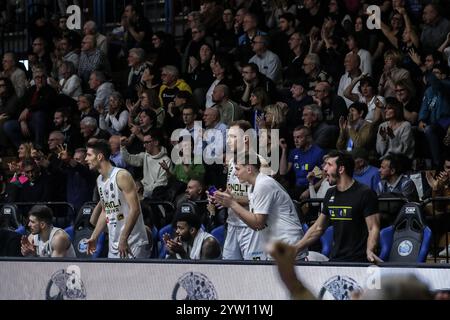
[280, 40]
[138, 30]
[155, 154]
[436, 27]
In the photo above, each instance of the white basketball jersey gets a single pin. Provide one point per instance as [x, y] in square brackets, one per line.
[117, 211]
[239, 191]
[45, 249]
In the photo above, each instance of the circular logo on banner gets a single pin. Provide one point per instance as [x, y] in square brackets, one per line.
[194, 286]
[66, 285]
[405, 248]
[338, 288]
[82, 245]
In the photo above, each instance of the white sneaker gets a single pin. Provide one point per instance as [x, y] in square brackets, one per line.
[444, 252]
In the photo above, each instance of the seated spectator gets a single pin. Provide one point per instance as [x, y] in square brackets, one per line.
[70, 83]
[174, 119]
[333, 106]
[90, 28]
[354, 45]
[268, 63]
[199, 38]
[89, 129]
[355, 132]
[69, 51]
[150, 78]
[171, 84]
[367, 93]
[393, 181]
[62, 121]
[318, 184]
[41, 48]
[116, 156]
[280, 38]
[185, 169]
[155, 154]
[9, 240]
[102, 88]
[45, 240]
[39, 104]
[364, 172]
[148, 100]
[299, 99]
[303, 159]
[324, 135]
[250, 30]
[39, 187]
[258, 101]
[314, 73]
[24, 152]
[394, 135]
[392, 73]
[406, 94]
[298, 45]
[86, 106]
[191, 242]
[15, 74]
[352, 71]
[114, 120]
[229, 110]
[91, 59]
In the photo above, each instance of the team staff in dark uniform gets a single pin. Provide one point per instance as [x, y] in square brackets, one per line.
[352, 209]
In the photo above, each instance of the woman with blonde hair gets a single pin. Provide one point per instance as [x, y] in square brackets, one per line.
[16, 167]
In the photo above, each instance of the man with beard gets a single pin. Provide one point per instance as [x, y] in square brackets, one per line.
[191, 242]
[120, 208]
[351, 208]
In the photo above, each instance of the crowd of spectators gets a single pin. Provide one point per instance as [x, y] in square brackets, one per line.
[311, 69]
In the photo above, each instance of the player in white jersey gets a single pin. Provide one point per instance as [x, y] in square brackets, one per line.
[241, 241]
[120, 207]
[45, 240]
[271, 211]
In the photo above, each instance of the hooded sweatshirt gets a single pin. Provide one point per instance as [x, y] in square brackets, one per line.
[154, 174]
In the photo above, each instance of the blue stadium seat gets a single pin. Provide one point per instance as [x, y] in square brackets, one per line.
[327, 241]
[219, 234]
[154, 253]
[21, 230]
[162, 247]
[305, 228]
[408, 239]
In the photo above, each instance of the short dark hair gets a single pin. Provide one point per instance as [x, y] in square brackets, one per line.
[370, 82]
[344, 159]
[360, 107]
[42, 213]
[244, 125]
[288, 16]
[156, 135]
[100, 146]
[192, 219]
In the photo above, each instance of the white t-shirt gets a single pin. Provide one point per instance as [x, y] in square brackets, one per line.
[239, 191]
[269, 197]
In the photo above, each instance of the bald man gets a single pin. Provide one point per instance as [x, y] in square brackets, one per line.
[229, 110]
